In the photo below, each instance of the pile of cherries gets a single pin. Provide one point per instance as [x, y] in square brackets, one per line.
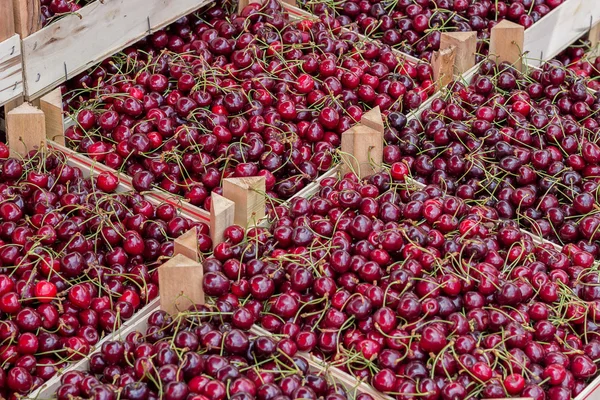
[580, 59]
[199, 357]
[415, 26]
[51, 9]
[524, 144]
[220, 95]
[415, 292]
[76, 259]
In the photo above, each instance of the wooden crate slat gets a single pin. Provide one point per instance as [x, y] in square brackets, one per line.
[77, 42]
[11, 69]
[561, 27]
[7, 22]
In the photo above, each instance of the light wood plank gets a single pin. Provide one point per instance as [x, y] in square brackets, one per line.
[442, 63]
[25, 129]
[100, 30]
[559, 28]
[28, 17]
[51, 105]
[180, 284]
[466, 48]
[187, 245]
[373, 119]
[7, 21]
[506, 43]
[222, 215]
[362, 150]
[248, 194]
[11, 70]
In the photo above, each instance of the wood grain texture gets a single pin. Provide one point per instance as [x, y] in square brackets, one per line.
[7, 20]
[27, 17]
[100, 30]
[594, 35]
[180, 284]
[373, 119]
[506, 43]
[466, 48]
[222, 214]
[442, 63]
[362, 150]
[559, 28]
[25, 129]
[11, 70]
[248, 194]
[51, 105]
[187, 245]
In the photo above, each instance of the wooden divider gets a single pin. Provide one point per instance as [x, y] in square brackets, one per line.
[362, 145]
[25, 129]
[51, 105]
[249, 196]
[222, 213]
[180, 284]
[506, 43]
[465, 44]
[11, 69]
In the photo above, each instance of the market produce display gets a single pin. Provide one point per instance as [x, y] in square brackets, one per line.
[281, 200]
[415, 27]
[523, 143]
[77, 260]
[198, 352]
[269, 96]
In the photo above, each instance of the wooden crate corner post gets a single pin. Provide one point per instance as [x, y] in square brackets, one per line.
[249, 197]
[180, 284]
[507, 42]
[362, 148]
[51, 105]
[442, 63]
[25, 129]
[222, 213]
[466, 48]
[28, 17]
[7, 24]
[187, 245]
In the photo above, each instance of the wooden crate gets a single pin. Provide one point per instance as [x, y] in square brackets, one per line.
[561, 27]
[11, 69]
[74, 43]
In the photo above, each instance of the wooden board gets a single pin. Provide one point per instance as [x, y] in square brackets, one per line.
[51, 105]
[101, 29]
[222, 213]
[27, 16]
[506, 43]
[249, 195]
[559, 28]
[11, 69]
[187, 245]
[180, 284]
[7, 21]
[466, 48]
[25, 129]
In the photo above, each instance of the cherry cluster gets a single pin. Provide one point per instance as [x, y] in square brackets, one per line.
[526, 144]
[415, 26]
[196, 356]
[77, 258]
[416, 292]
[220, 95]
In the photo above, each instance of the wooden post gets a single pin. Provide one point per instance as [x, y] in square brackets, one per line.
[466, 48]
[362, 150]
[222, 212]
[594, 35]
[51, 105]
[7, 21]
[442, 63]
[28, 17]
[187, 245]
[248, 194]
[180, 284]
[25, 129]
[373, 119]
[506, 43]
